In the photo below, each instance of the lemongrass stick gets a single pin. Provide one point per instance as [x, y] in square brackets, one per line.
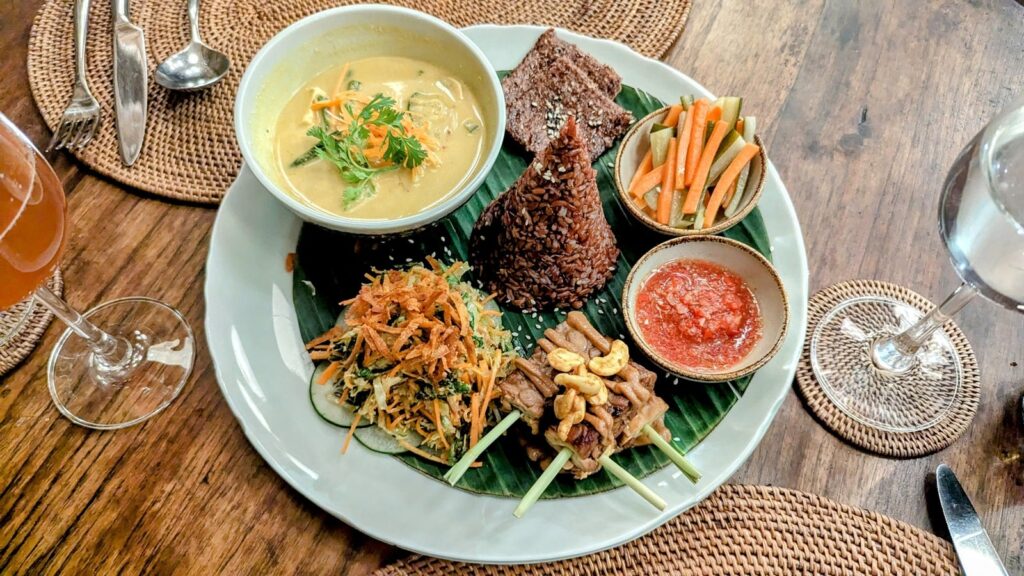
[455, 472]
[542, 483]
[674, 454]
[631, 481]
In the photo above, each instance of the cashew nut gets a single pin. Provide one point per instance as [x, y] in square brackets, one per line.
[600, 398]
[565, 360]
[611, 363]
[587, 384]
[575, 416]
[564, 402]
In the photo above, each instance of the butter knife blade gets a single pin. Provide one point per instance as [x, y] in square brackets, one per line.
[131, 78]
[973, 547]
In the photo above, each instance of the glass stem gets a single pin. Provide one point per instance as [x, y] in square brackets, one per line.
[898, 353]
[109, 352]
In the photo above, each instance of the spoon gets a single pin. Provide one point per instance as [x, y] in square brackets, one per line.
[197, 66]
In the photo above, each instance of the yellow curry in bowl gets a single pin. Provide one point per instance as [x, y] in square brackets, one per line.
[379, 138]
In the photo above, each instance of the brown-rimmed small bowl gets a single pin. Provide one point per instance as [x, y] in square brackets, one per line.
[759, 275]
[631, 152]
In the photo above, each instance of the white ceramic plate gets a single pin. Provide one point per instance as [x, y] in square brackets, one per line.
[263, 373]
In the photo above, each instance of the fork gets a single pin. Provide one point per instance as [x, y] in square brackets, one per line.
[80, 120]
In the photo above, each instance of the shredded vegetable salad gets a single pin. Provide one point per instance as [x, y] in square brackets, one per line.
[418, 354]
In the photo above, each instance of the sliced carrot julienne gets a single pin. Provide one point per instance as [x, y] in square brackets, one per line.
[474, 423]
[326, 336]
[715, 114]
[486, 399]
[437, 423]
[351, 431]
[316, 106]
[727, 179]
[700, 177]
[693, 149]
[645, 166]
[667, 188]
[729, 193]
[331, 369]
[673, 115]
[682, 145]
[648, 181]
[421, 453]
[739, 125]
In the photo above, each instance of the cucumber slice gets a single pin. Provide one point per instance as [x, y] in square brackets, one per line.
[659, 146]
[730, 148]
[731, 106]
[686, 101]
[381, 441]
[698, 219]
[325, 400]
[738, 199]
[651, 198]
[676, 218]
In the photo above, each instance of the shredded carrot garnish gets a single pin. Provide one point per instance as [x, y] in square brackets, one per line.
[414, 339]
[331, 369]
[421, 453]
[437, 423]
[326, 336]
[317, 106]
[351, 432]
[486, 399]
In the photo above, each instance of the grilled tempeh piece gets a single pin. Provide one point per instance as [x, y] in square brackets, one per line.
[605, 428]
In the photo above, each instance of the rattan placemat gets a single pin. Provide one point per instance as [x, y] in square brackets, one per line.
[190, 151]
[745, 530]
[28, 320]
[900, 445]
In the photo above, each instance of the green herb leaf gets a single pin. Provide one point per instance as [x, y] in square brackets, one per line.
[345, 149]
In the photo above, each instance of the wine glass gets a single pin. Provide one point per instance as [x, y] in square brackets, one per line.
[119, 363]
[877, 358]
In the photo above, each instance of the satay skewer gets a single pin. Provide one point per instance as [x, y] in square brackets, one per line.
[456, 472]
[545, 479]
[629, 388]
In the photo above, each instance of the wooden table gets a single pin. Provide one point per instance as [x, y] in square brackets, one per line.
[864, 106]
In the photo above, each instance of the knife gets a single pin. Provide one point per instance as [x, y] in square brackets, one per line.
[974, 549]
[130, 83]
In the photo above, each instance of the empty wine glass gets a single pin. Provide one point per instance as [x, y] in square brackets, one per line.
[877, 358]
[117, 364]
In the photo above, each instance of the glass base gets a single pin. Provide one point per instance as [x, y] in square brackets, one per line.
[913, 398]
[155, 360]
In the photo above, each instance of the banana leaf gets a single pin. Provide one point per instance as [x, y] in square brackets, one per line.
[330, 267]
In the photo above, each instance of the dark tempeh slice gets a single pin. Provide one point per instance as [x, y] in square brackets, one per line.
[604, 76]
[540, 95]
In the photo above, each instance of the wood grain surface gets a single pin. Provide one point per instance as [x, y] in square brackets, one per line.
[864, 105]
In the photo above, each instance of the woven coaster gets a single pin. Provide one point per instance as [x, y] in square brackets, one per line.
[27, 321]
[900, 445]
[190, 151]
[745, 530]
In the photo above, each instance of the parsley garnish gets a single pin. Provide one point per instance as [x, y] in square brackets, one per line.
[346, 148]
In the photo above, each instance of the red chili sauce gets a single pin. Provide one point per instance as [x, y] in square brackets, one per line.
[698, 315]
